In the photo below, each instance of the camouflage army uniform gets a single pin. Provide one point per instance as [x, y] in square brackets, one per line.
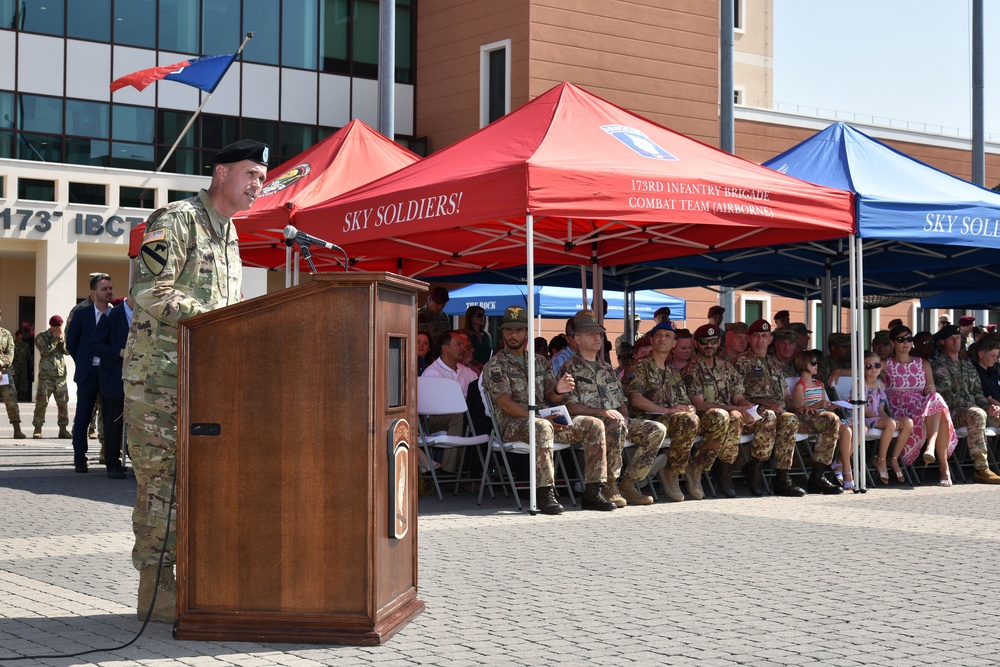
[22, 369]
[764, 384]
[597, 387]
[666, 387]
[434, 325]
[506, 373]
[8, 391]
[719, 384]
[824, 367]
[960, 386]
[51, 378]
[190, 263]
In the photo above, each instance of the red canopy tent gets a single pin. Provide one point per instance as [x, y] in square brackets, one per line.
[572, 179]
[600, 184]
[352, 156]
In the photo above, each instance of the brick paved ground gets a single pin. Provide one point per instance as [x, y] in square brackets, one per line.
[898, 576]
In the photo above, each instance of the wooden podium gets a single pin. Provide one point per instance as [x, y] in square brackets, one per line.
[297, 467]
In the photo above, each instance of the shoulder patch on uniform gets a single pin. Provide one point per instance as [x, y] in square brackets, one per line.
[154, 253]
[496, 375]
[154, 236]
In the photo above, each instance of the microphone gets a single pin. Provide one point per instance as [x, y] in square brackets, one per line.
[294, 235]
[304, 240]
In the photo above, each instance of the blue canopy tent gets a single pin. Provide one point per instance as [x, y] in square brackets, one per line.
[969, 299]
[559, 301]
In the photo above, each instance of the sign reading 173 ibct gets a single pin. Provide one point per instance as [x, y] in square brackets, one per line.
[84, 224]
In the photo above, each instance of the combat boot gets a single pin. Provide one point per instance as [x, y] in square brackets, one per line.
[165, 606]
[668, 482]
[547, 502]
[593, 499]
[985, 476]
[755, 478]
[612, 493]
[820, 483]
[18, 433]
[784, 486]
[64, 433]
[629, 489]
[37, 433]
[724, 478]
[692, 476]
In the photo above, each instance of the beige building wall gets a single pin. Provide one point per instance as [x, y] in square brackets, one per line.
[753, 57]
[657, 58]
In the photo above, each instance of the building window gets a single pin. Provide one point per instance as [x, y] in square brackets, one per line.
[753, 310]
[40, 119]
[135, 23]
[294, 139]
[179, 26]
[739, 15]
[87, 119]
[36, 190]
[130, 123]
[7, 124]
[177, 195]
[221, 25]
[8, 14]
[129, 197]
[298, 34]
[88, 193]
[739, 95]
[44, 16]
[494, 81]
[349, 38]
[263, 18]
[3, 182]
[89, 20]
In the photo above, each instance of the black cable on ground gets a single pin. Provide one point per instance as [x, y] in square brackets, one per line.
[149, 612]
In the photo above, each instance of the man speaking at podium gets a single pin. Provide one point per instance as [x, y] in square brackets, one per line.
[189, 264]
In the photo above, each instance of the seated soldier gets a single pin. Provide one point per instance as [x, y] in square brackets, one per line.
[714, 383]
[734, 341]
[657, 391]
[835, 364]
[505, 379]
[764, 384]
[597, 392]
[959, 384]
[785, 347]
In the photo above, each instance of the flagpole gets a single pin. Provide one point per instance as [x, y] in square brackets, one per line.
[190, 122]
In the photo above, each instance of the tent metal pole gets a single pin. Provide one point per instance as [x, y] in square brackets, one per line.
[530, 352]
[851, 259]
[859, 379]
[288, 266]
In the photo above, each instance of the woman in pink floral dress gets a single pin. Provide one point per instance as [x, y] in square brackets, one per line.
[910, 390]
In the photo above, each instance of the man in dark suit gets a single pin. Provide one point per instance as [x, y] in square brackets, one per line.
[86, 376]
[108, 343]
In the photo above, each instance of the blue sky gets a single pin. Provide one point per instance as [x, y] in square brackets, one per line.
[909, 61]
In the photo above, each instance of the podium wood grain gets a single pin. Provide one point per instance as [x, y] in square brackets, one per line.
[283, 518]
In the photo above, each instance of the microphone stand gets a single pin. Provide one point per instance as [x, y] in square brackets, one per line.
[304, 247]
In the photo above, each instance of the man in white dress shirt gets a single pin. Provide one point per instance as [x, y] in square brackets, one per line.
[452, 346]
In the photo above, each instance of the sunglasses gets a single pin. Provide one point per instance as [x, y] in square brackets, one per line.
[812, 362]
[479, 315]
[904, 339]
[708, 341]
[877, 364]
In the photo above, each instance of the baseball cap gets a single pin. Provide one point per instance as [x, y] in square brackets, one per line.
[840, 339]
[800, 328]
[787, 333]
[515, 317]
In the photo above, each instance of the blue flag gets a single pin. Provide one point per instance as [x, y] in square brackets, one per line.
[204, 73]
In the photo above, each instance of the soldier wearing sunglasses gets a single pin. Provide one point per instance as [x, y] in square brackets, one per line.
[714, 383]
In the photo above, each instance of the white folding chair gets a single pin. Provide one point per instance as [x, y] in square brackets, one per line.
[441, 396]
[498, 450]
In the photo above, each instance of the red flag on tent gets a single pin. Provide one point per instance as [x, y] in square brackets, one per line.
[204, 73]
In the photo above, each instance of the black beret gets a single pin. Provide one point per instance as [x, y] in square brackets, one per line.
[244, 149]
